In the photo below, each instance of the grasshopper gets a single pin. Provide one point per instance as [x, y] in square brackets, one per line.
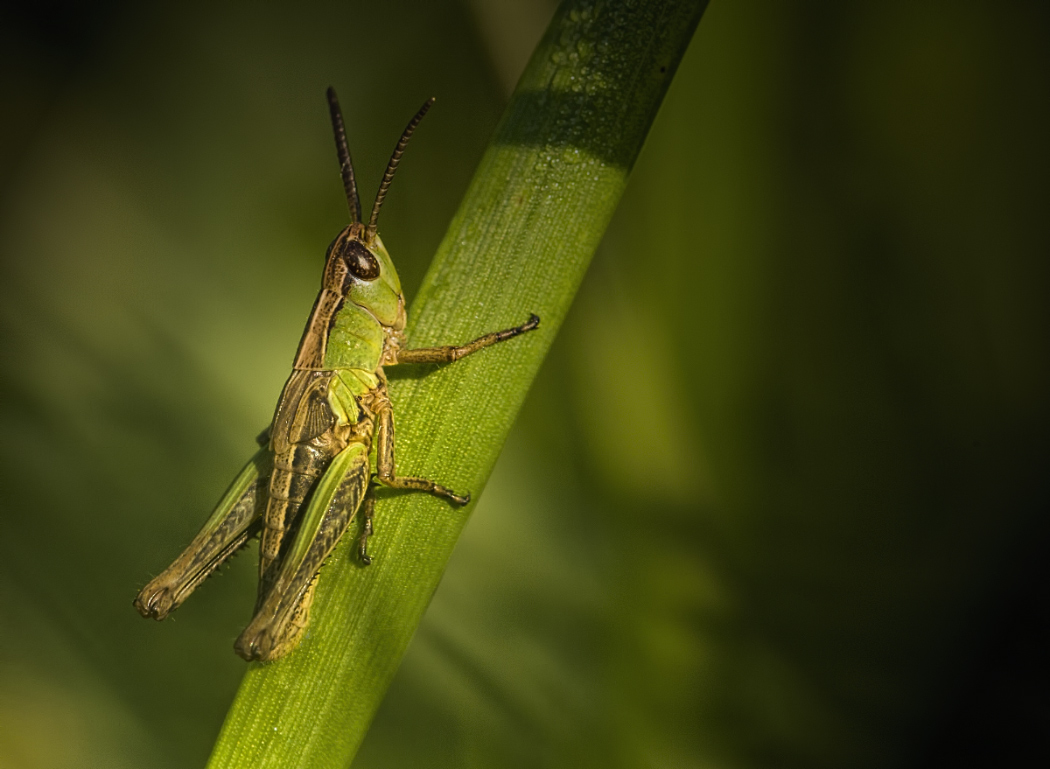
[312, 473]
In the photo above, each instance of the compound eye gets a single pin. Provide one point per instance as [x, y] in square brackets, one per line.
[359, 260]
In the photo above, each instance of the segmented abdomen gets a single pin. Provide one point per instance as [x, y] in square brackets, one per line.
[305, 437]
[295, 471]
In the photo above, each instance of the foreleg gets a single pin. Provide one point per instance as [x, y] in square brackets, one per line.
[450, 354]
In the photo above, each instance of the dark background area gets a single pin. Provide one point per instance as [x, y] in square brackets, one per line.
[778, 497]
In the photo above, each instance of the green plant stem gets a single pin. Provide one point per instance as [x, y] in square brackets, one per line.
[521, 241]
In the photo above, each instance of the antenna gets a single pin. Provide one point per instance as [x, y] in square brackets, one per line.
[346, 165]
[399, 150]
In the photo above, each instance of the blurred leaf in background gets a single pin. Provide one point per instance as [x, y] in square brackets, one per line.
[778, 497]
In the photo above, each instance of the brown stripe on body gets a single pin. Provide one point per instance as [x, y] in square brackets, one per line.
[315, 337]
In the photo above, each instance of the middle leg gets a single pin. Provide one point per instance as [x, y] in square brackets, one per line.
[368, 512]
[385, 473]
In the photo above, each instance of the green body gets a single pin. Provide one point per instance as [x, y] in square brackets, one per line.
[313, 475]
[326, 414]
[359, 334]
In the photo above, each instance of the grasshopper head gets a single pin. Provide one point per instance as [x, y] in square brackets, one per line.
[358, 266]
[360, 270]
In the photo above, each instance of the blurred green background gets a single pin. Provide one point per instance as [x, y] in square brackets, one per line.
[778, 497]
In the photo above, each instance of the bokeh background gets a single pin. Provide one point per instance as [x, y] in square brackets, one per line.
[778, 497]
